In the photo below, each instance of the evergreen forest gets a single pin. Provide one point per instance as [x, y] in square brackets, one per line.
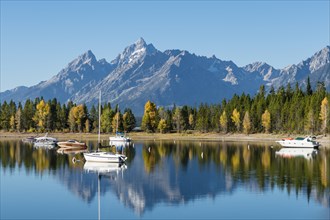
[285, 110]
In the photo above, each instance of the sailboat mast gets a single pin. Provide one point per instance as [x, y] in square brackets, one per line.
[98, 139]
[117, 119]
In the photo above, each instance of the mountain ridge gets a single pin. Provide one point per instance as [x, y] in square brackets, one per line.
[141, 73]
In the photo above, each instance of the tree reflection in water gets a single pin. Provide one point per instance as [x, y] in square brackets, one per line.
[168, 171]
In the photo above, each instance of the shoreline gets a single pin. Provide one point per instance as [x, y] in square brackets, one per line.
[143, 136]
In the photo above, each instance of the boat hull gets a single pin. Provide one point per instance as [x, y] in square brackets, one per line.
[104, 157]
[295, 144]
[119, 139]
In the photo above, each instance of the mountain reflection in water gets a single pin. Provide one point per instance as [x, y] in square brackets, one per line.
[178, 172]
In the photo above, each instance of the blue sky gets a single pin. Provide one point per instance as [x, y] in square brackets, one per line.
[38, 38]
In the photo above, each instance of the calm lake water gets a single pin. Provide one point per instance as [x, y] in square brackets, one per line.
[165, 180]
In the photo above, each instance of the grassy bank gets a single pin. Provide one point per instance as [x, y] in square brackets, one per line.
[196, 136]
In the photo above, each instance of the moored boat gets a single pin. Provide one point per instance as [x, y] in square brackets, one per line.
[104, 157]
[299, 142]
[71, 144]
[45, 141]
[101, 156]
[120, 137]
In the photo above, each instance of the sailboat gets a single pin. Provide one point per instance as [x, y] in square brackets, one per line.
[120, 137]
[102, 156]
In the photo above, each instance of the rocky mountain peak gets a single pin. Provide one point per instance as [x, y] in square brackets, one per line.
[86, 58]
[319, 59]
[257, 66]
[135, 52]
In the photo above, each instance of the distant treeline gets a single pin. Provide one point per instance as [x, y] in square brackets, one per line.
[289, 110]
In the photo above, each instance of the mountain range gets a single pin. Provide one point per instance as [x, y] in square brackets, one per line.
[141, 73]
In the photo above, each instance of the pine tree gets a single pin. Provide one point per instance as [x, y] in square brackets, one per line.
[58, 123]
[178, 120]
[129, 120]
[203, 118]
[93, 118]
[63, 115]
[309, 90]
[5, 116]
[27, 115]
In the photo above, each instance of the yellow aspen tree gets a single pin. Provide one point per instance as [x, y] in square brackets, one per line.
[265, 120]
[324, 114]
[18, 119]
[79, 114]
[40, 116]
[310, 121]
[224, 121]
[236, 119]
[191, 121]
[115, 120]
[162, 126]
[87, 126]
[12, 123]
[149, 120]
[246, 123]
[72, 120]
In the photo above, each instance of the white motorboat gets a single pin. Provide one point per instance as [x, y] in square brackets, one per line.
[71, 144]
[45, 141]
[120, 137]
[299, 142]
[307, 153]
[101, 156]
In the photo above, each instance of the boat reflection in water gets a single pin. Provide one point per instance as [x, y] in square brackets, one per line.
[120, 145]
[167, 179]
[71, 150]
[307, 153]
[103, 169]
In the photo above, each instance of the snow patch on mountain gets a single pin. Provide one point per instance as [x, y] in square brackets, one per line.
[230, 77]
